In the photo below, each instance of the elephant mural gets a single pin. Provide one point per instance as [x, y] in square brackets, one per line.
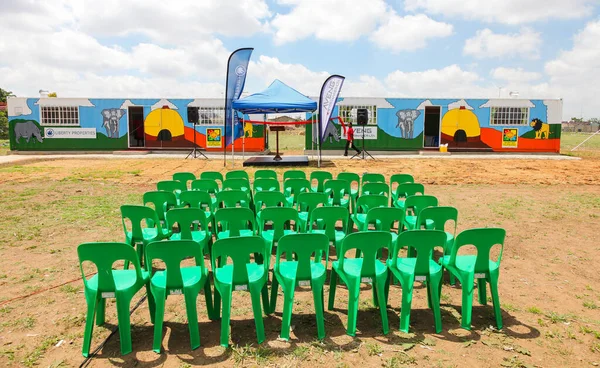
[27, 129]
[406, 122]
[110, 122]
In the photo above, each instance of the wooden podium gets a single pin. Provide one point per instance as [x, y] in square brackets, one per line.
[277, 129]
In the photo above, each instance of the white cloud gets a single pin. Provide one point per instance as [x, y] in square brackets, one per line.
[487, 44]
[514, 75]
[299, 77]
[458, 104]
[450, 81]
[408, 33]
[505, 11]
[334, 20]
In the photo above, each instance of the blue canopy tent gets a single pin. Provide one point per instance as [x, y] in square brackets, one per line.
[278, 98]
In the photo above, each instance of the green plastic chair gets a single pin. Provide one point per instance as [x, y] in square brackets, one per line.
[237, 174]
[199, 199]
[139, 236]
[372, 178]
[404, 191]
[213, 175]
[192, 226]
[175, 187]
[375, 188]
[303, 265]
[184, 177]
[234, 222]
[352, 178]
[108, 283]
[363, 205]
[338, 192]
[209, 186]
[366, 268]
[417, 203]
[323, 221]
[436, 218]
[264, 199]
[421, 268]
[176, 280]
[385, 219]
[265, 174]
[293, 174]
[162, 202]
[232, 198]
[319, 177]
[305, 204]
[398, 179]
[480, 267]
[241, 274]
[293, 187]
[266, 184]
[236, 183]
[281, 219]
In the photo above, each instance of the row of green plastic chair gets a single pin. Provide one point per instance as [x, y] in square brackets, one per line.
[242, 263]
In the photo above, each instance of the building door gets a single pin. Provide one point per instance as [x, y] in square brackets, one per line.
[431, 131]
[136, 126]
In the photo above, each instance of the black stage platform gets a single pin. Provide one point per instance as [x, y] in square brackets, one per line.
[269, 161]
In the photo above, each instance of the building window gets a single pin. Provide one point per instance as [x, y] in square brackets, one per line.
[348, 113]
[59, 115]
[509, 116]
[211, 115]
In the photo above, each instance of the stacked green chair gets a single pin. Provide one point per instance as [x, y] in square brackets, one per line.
[398, 179]
[240, 275]
[108, 283]
[436, 218]
[339, 192]
[363, 205]
[234, 222]
[385, 219]
[266, 184]
[351, 178]
[237, 174]
[178, 280]
[184, 177]
[303, 265]
[319, 177]
[263, 200]
[480, 267]
[375, 188]
[323, 220]
[162, 202]
[364, 269]
[417, 203]
[293, 174]
[192, 225]
[293, 187]
[213, 175]
[232, 198]
[209, 186]
[419, 268]
[305, 204]
[265, 174]
[237, 183]
[404, 191]
[176, 187]
[139, 235]
[372, 178]
[281, 219]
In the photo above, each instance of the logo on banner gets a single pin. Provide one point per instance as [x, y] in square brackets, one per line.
[240, 70]
[370, 132]
[70, 133]
[213, 138]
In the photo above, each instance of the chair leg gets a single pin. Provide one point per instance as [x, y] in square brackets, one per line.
[374, 292]
[288, 304]
[92, 301]
[380, 286]
[191, 296]
[100, 312]
[217, 305]
[496, 300]
[265, 299]
[434, 296]
[123, 304]
[226, 300]
[151, 302]
[318, 300]
[481, 291]
[210, 307]
[467, 300]
[274, 291]
[258, 318]
[159, 317]
[332, 286]
[407, 291]
[353, 296]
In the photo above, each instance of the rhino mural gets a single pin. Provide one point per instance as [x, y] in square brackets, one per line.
[406, 122]
[111, 121]
[27, 129]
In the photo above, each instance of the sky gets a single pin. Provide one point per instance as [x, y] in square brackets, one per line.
[395, 48]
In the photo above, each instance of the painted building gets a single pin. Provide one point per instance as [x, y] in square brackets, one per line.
[499, 125]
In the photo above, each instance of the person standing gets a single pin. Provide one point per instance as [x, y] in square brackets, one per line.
[350, 139]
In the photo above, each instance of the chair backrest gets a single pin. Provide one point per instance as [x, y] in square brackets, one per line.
[484, 239]
[369, 243]
[162, 201]
[138, 214]
[424, 242]
[187, 219]
[375, 188]
[301, 248]
[171, 186]
[418, 202]
[196, 199]
[320, 177]
[385, 218]
[265, 174]
[398, 179]
[213, 175]
[266, 184]
[235, 219]
[236, 183]
[372, 178]
[350, 177]
[327, 217]
[206, 185]
[184, 177]
[366, 202]
[239, 251]
[172, 253]
[104, 255]
[337, 189]
[440, 216]
[409, 189]
[280, 219]
[232, 198]
[308, 201]
[293, 174]
[293, 187]
[237, 174]
[268, 199]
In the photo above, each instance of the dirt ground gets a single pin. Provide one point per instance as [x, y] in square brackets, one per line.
[549, 284]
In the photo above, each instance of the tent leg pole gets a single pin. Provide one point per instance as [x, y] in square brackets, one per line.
[244, 139]
[232, 139]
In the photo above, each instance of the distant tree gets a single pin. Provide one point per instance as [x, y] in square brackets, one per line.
[4, 94]
[595, 120]
[577, 120]
[52, 94]
[3, 125]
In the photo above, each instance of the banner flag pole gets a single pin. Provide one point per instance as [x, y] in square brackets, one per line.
[244, 139]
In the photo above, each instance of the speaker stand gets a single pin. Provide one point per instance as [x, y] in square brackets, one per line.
[195, 153]
[361, 154]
